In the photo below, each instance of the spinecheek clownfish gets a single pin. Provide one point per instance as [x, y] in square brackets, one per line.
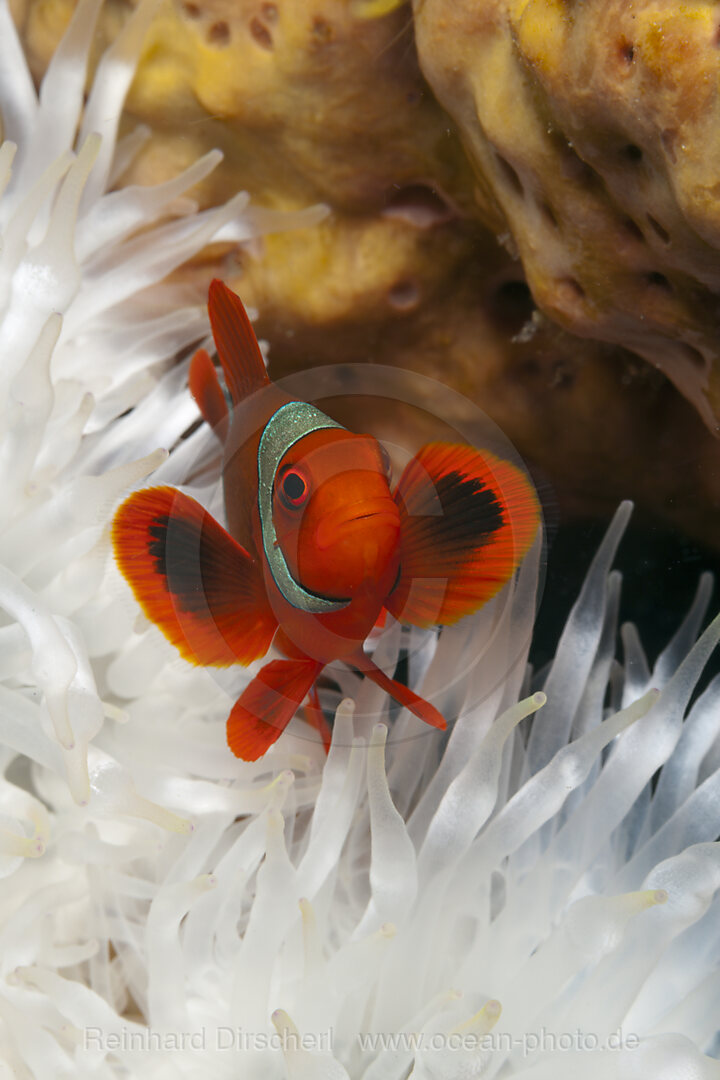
[317, 546]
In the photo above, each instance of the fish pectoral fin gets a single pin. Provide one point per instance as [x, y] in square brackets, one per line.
[238, 349]
[198, 585]
[466, 521]
[268, 704]
[206, 389]
[404, 696]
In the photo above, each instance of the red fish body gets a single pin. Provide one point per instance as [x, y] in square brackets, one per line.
[317, 546]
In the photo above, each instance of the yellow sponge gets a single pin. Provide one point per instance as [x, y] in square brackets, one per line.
[593, 130]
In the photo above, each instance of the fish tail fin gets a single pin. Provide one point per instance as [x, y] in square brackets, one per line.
[205, 388]
[238, 349]
[416, 704]
[268, 704]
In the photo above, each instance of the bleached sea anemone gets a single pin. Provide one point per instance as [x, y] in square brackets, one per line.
[503, 901]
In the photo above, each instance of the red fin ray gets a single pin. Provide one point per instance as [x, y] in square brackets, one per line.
[467, 520]
[197, 584]
[268, 704]
[237, 346]
[206, 389]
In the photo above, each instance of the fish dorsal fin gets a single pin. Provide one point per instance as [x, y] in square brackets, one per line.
[467, 518]
[237, 346]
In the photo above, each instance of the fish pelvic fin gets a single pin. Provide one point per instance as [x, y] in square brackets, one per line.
[198, 585]
[268, 704]
[404, 696]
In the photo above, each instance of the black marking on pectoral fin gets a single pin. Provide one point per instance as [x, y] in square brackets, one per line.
[466, 520]
[198, 585]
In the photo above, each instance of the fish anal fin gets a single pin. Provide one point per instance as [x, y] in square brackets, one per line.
[268, 704]
[467, 518]
[199, 586]
[237, 346]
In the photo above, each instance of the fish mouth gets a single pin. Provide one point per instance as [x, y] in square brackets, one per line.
[374, 514]
[382, 513]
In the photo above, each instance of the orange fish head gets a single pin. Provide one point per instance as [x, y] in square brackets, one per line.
[336, 521]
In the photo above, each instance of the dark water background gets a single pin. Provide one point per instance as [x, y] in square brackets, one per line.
[660, 567]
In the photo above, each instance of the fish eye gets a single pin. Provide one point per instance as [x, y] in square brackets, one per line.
[385, 457]
[293, 488]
